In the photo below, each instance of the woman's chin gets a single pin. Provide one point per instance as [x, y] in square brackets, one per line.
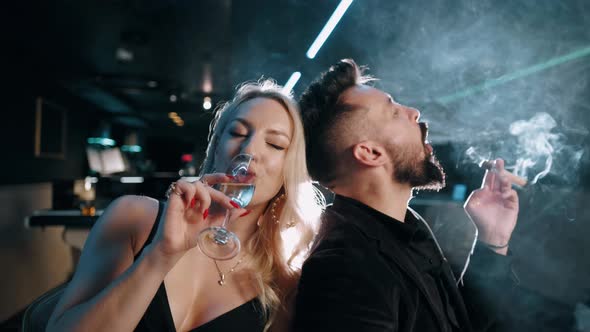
[254, 203]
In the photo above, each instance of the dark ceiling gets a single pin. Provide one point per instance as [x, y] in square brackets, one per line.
[472, 67]
[129, 58]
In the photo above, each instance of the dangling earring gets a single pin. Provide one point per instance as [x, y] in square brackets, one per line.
[274, 215]
[273, 209]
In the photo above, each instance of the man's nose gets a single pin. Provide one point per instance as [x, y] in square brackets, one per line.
[413, 113]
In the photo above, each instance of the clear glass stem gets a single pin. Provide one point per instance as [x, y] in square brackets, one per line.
[225, 219]
[222, 234]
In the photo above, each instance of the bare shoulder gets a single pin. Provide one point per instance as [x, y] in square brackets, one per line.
[129, 215]
[109, 249]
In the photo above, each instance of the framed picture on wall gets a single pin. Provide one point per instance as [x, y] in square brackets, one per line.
[50, 129]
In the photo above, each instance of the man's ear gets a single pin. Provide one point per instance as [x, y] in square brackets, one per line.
[369, 153]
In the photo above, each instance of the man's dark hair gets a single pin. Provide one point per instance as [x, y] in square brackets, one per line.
[321, 111]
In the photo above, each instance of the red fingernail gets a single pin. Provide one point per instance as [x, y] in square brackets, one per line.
[234, 204]
[205, 214]
[193, 202]
[230, 176]
[245, 213]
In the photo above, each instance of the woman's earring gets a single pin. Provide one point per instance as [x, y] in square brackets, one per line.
[273, 208]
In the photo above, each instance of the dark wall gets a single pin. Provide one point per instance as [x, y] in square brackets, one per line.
[19, 163]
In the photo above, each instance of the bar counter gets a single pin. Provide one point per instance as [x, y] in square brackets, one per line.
[66, 218]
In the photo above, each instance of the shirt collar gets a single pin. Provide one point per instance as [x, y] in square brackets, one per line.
[374, 222]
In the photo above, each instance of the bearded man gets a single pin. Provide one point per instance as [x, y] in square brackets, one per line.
[376, 265]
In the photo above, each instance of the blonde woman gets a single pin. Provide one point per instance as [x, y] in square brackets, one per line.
[141, 268]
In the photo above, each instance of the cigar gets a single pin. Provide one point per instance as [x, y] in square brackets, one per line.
[515, 179]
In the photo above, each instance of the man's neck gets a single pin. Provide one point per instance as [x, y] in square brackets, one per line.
[387, 197]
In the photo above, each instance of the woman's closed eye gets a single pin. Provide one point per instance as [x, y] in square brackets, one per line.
[238, 134]
[276, 146]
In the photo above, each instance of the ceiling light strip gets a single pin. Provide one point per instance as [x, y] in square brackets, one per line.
[291, 82]
[328, 28]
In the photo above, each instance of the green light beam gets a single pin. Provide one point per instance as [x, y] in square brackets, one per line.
[512, 76]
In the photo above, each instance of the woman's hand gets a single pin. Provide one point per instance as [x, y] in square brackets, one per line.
[186, 214]
[494, 208]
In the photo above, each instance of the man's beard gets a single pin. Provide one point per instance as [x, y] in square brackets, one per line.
[421, 174]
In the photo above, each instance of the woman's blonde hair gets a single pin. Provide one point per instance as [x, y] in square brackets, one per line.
[281, 242]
